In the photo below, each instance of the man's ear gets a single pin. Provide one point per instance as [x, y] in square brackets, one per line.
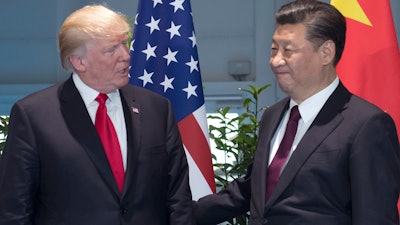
[78, 63]
[327, 50]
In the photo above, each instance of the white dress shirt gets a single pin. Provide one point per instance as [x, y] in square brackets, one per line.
[114, 111]
[308, 109]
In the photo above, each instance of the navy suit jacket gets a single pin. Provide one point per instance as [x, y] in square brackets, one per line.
[345, 170]
[54, 170]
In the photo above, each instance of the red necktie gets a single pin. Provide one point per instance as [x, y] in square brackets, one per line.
[108, 136]
[281, 155]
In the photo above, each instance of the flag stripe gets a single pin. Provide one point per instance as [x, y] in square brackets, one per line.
[197, 146]
[199, 185]
[202, 121]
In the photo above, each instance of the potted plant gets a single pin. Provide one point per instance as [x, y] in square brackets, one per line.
[3, 131]
[237, 137]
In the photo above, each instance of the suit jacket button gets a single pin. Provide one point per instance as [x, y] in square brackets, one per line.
[122, 211]
[265, 221]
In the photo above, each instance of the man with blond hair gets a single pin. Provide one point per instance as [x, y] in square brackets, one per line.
[94, 150]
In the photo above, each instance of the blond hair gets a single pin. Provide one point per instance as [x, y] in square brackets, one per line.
[85, 24]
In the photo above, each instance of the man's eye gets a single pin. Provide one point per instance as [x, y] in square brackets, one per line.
[111, 50]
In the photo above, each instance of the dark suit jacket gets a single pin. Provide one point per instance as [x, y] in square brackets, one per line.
[54, 170]
[345, 170]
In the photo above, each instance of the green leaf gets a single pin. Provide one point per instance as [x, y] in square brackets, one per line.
[237, 137]
[4, 120]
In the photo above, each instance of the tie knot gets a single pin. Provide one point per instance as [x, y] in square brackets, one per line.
[101, 98]
[295, 114]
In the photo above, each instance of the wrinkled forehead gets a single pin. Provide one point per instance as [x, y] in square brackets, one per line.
[287, 32]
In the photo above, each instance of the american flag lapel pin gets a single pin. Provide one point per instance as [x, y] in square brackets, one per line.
[135, 110]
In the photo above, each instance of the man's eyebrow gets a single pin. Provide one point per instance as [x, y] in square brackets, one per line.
[281, 41]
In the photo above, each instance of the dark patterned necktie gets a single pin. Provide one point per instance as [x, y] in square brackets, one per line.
[281, 155]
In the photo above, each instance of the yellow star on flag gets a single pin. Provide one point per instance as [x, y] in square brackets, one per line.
[351, 9]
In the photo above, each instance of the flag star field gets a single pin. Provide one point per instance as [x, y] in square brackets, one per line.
[164, 57]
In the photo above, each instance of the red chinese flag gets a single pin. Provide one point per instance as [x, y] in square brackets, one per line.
[370, 65]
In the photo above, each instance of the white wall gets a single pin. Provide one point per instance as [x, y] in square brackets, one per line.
[226, 30]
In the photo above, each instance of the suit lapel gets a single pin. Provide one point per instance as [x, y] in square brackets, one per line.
[270, 123]
[133, 123]
[326, 121]
[81, 127]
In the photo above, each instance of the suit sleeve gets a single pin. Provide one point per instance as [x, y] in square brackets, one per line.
[179, 194]
[19, 171]
[375, 173]
[228, 203]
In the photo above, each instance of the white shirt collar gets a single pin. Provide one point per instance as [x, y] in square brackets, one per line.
[311, 106]
[88, 94]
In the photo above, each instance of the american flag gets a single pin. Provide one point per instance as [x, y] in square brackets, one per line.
[164, 59]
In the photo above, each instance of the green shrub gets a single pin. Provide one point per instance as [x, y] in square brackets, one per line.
[237, 137]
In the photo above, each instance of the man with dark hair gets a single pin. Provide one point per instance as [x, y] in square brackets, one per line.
[335, 160]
